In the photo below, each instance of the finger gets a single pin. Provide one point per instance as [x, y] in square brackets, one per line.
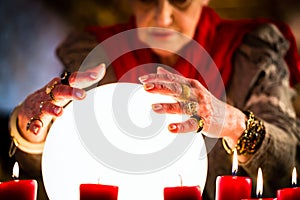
[190, 125]
[170, 108]
[48, 108]
[34, 125]
[187, 107]
[180, 79]
[65, 93]
[165, 77]
[170, 89]
[161, 70]
[37, 125]
[173, 77]
[181, 92]
[87, 78]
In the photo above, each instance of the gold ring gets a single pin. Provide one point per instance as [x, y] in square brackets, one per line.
[49, 90]
[200, 122]
[31, 120]
[185, 92]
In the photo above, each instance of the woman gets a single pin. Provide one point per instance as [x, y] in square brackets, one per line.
[254, 61]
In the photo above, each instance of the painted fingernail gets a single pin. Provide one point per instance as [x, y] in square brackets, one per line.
[172, 127]
[148, 86]
[57, 110]
[93, 75]
[102, 71]
[79, 93]
[102, 65]
[157, 107]
[35, 129]
[143, 78]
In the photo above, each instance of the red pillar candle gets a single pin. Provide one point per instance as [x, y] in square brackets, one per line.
[98, 191]
[290, 193]
[18, 189]
[233, 187]
[182, 193]
[259, 187]
[261, 199]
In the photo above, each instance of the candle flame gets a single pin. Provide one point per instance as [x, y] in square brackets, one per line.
[15, 174]
[294, 177]
[259, 186]
[235, 164]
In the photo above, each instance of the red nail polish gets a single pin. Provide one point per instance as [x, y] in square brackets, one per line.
[157, 107]
[172, 127]
[143, 78]
[148, 86]
[57, 110]
[35, 129]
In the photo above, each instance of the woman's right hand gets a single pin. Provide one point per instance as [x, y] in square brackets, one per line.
[40, 108]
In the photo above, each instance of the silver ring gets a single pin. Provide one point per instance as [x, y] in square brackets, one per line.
[189, 107]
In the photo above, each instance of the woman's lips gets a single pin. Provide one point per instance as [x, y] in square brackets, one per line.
[162, 34]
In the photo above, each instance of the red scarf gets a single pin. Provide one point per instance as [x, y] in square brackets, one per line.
[220, 38]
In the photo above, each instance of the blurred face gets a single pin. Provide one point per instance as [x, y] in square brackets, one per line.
[169, 24]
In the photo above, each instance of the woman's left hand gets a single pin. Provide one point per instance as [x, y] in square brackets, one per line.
[219, 118]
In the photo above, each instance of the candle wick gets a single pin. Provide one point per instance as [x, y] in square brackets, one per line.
[294, 185]
[259, 195]
[180, 179]
[234, 172]
[14, 177]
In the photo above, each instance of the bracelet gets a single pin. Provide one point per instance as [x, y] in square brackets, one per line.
[251, 139]
[17, 141]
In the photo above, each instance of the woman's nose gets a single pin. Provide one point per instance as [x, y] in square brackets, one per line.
[164, 13]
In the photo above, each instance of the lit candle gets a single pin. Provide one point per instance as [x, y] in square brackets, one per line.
[259, 187]
[290, 193]
[18, 189]
[182, 192]
[233, 187]
[294, 177]
[259, 184]
[91, 191]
